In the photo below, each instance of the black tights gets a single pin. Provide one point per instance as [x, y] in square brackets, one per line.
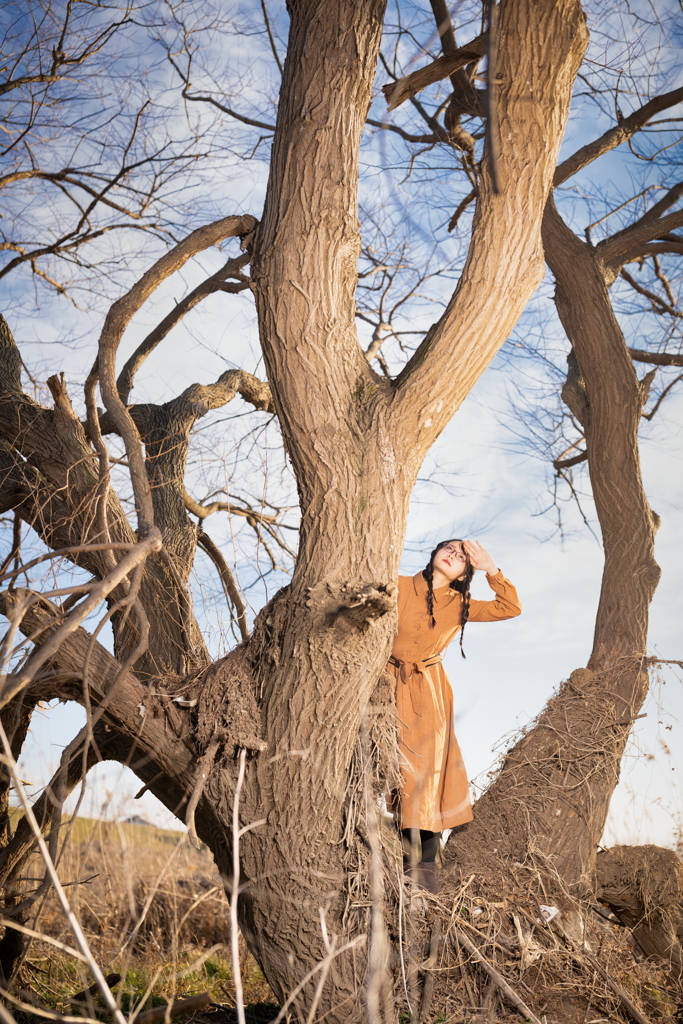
[429, 841]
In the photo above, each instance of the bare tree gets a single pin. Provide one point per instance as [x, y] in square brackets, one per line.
[294, 693]
[88, 136]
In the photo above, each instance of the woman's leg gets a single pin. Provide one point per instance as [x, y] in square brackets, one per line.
[428, 872]
[421, 865]
[430, 845]
[410, 841]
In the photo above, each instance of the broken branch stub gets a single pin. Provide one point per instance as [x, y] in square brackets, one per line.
[397, 93]
[354, 604]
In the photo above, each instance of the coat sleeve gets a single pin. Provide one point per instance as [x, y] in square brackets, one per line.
[505, 606]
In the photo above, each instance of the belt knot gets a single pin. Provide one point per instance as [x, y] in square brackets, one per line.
[407, 669]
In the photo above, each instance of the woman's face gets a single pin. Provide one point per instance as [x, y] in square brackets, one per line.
[451, 560]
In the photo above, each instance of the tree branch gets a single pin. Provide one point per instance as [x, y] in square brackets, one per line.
[560, 464]
[465, 99]
[115, 324]
[230, 587]
[271, 40]
[422, 139]
[670, 386]
[124, 697]
[657, 358]
[212, 284]
[615, 136]
[227, 110]
[67, 176]
[614, 249]
[48, 649]
[397, 93]
[199, 399]
[461, 207]
[639, 252]
[16, 83]
[664, 307]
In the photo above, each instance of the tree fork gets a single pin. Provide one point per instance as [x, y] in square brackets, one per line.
[356, 441]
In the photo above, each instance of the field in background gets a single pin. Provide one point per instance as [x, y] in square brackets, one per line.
[153, 909]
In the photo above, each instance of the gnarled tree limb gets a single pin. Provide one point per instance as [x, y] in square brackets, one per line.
[118, 318]
[217, 282]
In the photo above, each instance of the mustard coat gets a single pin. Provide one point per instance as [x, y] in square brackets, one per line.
[435, 793]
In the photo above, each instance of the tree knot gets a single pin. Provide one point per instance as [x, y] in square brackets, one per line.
[355, 604]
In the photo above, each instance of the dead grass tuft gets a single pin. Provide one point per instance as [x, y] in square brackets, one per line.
[153, 910]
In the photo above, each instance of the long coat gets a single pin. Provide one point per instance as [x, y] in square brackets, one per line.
[435, 793]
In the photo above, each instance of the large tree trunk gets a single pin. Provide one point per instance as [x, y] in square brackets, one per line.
[547, 807]
[356, 442]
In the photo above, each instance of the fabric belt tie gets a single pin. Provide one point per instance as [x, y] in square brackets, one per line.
[407, 669]
[414, 670]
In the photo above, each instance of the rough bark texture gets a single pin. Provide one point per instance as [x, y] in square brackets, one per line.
[643, 887]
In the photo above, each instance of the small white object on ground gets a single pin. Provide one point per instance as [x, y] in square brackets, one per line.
[548, 913]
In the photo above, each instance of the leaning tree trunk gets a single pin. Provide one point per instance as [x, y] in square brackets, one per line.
[548, 805]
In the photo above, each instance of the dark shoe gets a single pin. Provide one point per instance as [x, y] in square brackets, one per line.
[411, 872]
[428, 876]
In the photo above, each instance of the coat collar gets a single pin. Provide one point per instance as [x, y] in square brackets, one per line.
[420, 585]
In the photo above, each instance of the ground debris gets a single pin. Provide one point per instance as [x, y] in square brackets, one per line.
[545, 971]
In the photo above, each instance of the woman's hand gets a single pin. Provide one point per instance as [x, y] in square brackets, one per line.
[479, 557]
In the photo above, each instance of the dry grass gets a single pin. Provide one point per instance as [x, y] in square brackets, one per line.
[153, 910]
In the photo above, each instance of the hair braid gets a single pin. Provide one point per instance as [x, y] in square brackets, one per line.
[428, 574]
[462, 586]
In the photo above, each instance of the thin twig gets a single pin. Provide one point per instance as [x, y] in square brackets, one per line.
[228, 580]
[234, 895]
[204, 766]
[151, 542]
[500, 981]
[80, 938]
[60, 552]
[594, 962]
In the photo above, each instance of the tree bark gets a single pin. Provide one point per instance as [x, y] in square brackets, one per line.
[356, 441]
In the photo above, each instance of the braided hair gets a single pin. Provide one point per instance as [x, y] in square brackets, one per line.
[462, 586]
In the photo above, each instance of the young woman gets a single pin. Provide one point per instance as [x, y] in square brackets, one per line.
[433, 606]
